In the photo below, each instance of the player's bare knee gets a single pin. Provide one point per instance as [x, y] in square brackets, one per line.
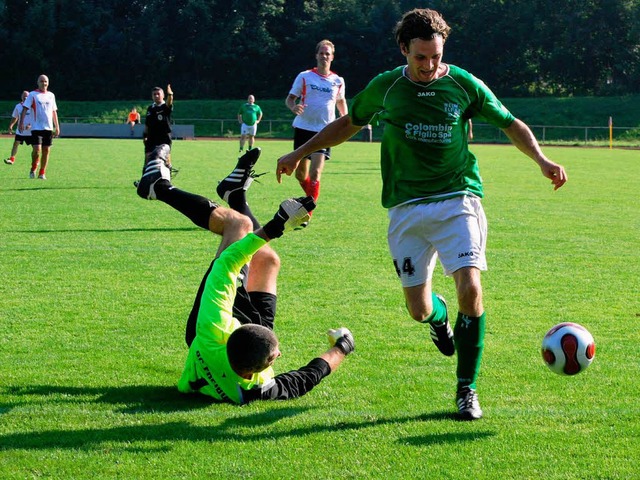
[223, 219]
[266, 258]
[241, 222]
[470, 290]
[468, 287]
[470, 298]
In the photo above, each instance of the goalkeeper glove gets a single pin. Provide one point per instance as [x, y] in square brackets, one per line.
[343, 339]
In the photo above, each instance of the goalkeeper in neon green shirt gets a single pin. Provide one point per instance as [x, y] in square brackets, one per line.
[431, 183]
[229, 332]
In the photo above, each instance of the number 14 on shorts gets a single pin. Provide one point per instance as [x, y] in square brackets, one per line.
[407, 267]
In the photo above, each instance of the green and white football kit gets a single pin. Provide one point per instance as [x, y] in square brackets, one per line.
[250, 112]
[431, 182]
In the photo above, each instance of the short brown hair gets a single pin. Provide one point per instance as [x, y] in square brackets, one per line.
[251, 348]
[422, 23]
[322, 43]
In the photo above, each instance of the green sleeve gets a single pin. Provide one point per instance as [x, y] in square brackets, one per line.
[368, 102]
[484, 102]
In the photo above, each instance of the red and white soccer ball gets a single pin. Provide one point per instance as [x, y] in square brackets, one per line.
[568, 348]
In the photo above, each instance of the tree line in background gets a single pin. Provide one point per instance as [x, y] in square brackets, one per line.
[226, 49]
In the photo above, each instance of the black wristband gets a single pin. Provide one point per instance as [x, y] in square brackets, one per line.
[273, 228]
[346, 344]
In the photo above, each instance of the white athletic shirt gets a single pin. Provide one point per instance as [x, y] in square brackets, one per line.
[27, 120]
[319, 94]
[42, 106]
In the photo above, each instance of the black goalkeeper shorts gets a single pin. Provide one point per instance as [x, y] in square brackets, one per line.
[248, 307]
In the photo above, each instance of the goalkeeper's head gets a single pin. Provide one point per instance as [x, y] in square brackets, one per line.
[252, 349]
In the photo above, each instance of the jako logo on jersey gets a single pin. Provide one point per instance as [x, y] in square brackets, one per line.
[465, 254]
[426, 94]
[321, 89]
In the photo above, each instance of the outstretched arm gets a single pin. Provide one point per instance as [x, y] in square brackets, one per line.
[522, 137]
[296, 383]
[337, 132]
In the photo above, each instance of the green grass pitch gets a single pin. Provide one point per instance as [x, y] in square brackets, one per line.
[95, 286]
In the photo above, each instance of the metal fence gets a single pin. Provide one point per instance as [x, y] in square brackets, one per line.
[218, 127]
[482, 132]
[554, 133]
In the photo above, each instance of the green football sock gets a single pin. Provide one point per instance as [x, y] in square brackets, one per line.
[468, 336]
[439, 313]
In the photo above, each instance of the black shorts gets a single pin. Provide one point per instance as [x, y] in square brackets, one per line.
[152, 142]
[248, 307]
[26, 139]
[42, 137]
[301, 136]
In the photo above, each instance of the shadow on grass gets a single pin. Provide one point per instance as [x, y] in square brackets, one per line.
[440, 438]
[134, 399]
[247, 426]
[109, 230]
[33, 189]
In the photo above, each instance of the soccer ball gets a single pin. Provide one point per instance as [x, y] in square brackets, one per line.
[568, 348]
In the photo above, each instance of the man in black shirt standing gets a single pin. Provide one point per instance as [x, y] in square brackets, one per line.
[157, 126]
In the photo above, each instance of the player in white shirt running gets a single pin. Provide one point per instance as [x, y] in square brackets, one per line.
[313, 98]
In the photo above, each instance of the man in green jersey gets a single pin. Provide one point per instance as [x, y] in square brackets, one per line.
[249, 116]
[229, 332]
[431, 183]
